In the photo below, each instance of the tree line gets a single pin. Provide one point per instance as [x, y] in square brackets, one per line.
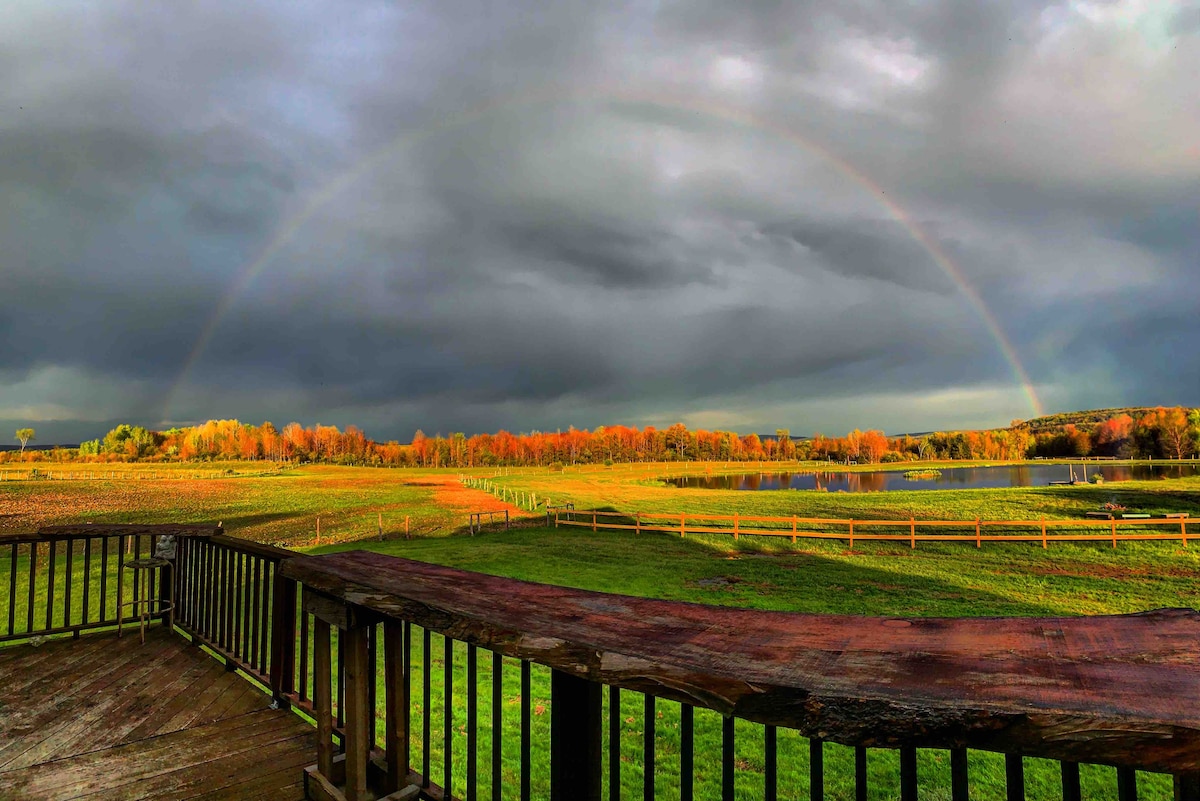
[1172, 433]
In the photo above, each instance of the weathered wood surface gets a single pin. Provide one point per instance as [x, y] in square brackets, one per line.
[86, 530]
[1122, 690]
[100, 717]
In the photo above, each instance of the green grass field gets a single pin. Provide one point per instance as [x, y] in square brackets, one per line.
[754, 572]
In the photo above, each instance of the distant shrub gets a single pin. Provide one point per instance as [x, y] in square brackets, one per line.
[608, 462]
[556, 467]
[913, 475]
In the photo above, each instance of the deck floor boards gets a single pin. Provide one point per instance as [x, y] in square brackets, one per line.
[108, 718]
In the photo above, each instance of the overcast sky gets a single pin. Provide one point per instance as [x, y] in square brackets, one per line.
[478, 215]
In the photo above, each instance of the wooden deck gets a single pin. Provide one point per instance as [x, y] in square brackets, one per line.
[103, 718]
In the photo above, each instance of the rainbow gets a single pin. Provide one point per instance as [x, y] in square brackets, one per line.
[737, 117]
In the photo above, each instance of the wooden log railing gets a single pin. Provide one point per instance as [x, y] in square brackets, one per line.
[1174, 527]
[1121, 691]
[68, 579]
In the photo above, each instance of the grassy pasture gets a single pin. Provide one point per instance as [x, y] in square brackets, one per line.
[763, 573]
[279, 507]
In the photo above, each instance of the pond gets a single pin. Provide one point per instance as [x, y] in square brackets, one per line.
[833, 480]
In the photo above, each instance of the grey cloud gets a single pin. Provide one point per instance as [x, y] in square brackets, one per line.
[530, 215]
[874, 249]
[592, 253]
[1186, 20]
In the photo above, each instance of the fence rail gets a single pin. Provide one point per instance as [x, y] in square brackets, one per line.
[830, 528]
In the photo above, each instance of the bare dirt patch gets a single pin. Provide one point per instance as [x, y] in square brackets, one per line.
[449, 494]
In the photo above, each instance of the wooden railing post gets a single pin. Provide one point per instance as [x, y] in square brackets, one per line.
[283, 638]
[323, 697]
[912, 532]
[1043, 532]
[851, 522]
[978, 538]
[735, 526]
[1187, 787]
[395, 671]
[575, 729]
[358, 715]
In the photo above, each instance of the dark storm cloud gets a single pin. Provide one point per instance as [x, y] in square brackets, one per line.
[884, 251]
[604, 255]
[465, 215]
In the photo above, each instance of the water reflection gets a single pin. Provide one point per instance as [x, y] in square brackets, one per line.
[950, 478]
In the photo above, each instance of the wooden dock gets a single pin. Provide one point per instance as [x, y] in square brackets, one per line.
[101, 717]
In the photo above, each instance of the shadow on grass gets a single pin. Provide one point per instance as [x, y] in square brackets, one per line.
[1135, 496]
[770, 575]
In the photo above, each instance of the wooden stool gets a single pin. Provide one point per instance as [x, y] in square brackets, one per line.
[146, 606]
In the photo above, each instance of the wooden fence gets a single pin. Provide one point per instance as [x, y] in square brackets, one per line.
[519, 498]
[826, 528]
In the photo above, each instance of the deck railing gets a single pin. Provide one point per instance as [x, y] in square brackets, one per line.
[1121, 691]
[440, 683]
[232, 599]
[69, 579]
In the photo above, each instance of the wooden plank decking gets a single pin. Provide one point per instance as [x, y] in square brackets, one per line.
[103, 718]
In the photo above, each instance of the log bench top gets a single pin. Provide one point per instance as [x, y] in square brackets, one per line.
[1115, 689]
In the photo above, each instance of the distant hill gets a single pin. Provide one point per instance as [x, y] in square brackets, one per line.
[1053, 422]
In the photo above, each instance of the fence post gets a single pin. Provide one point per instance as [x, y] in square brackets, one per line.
[575, 735]
[851, 522]
[638, 525]
[1043, 532]
[793, 529]
[978, 538]
[506, 520]
[1113, 523]
[593, 521]
[1183, 530]
[912, 532]
[735, 526]
[682, 528]
[555, 518]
